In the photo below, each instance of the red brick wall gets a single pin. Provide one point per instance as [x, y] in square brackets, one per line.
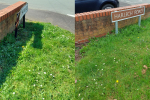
[98, 23]
[8, 18]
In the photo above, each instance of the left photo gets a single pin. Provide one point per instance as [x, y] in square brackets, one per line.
[37, 50]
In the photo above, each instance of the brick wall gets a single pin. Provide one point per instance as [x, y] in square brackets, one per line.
[8, 18]
[98, 23]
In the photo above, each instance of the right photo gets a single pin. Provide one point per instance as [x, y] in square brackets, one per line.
[112, 49]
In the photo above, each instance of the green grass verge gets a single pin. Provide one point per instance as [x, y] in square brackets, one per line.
[112, 66]
[38, 64]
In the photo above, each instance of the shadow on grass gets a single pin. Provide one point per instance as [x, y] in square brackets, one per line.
[11, 47]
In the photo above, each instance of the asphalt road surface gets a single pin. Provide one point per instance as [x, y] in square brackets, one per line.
[57, 12]
[132, 2]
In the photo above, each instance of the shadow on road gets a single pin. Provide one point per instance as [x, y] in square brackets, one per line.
[11, 47]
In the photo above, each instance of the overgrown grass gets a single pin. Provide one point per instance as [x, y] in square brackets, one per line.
[112, 66]
[38, 64]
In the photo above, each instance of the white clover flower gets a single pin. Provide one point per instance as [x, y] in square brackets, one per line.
[51, 74]
[38, 72]
[103, 63]
[95, 82]
[44, 72]
[13, 92]
[29, 70]
[95, 65]
[79, 94]
[102, 69]
[94, 79]
[41, 85]
[33, 84]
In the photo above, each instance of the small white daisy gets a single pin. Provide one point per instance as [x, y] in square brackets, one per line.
[79, 94]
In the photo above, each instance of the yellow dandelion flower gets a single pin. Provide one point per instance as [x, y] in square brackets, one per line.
[22, 46]
[117, 81]
[138, 37]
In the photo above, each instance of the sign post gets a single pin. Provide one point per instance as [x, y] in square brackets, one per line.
[139, 22]
[116, 27]
[21, 14]
[126, 14]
